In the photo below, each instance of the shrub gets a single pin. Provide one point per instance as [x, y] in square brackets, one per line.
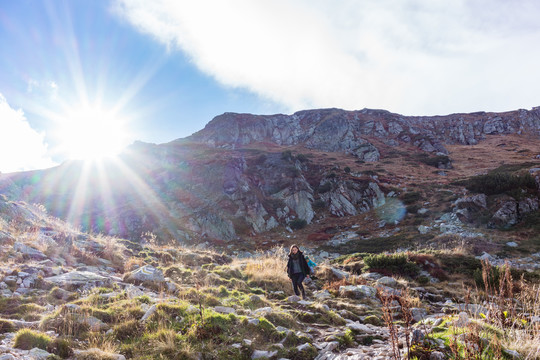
[495, 182]
[6, 326]
[298, 224]
[436, 161]
[411, 197]
[286, 155]
[128, 330]
[319, 204]
[60, 347]
[301, 158]
[27, 339]
[391, 264]
[326, 187]
[347, 169]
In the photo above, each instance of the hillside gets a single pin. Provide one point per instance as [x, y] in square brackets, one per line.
[68, 294]
[245, 181]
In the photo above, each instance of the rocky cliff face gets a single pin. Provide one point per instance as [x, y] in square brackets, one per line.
[349, 131]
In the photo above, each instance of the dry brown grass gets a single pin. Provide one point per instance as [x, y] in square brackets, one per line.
[269, 270]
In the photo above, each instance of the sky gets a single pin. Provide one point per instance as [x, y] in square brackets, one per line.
[80, 78]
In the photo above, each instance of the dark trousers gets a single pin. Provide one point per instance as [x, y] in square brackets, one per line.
[297, 283]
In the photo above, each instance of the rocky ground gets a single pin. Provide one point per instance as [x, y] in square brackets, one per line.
[67, 294]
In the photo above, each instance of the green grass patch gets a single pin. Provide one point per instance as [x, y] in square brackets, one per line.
[27, 339]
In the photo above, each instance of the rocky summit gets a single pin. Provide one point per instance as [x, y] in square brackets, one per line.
[424, 231]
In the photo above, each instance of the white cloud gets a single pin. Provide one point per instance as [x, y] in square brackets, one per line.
[409, 56]
[22, 147]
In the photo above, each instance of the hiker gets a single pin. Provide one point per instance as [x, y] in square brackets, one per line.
[297, 269]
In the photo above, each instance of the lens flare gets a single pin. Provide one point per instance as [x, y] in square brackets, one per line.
[392, 212]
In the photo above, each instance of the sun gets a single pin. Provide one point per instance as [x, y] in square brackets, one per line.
[89, 133]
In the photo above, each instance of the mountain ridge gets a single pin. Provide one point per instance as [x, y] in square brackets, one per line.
[247, 175]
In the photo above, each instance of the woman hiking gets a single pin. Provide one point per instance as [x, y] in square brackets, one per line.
[298, 270]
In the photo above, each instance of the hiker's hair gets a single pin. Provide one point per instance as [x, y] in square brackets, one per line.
[292, 247]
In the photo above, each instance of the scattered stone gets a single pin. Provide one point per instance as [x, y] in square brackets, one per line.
[417, 336]
[387, 281]
[340, 274]
[512, 353]
[423, 229]
[224, 310]
[322, 295]
[148, 276]
[437, 355]
[264, 310]
[76, 278]
[418, 314]
[192, 310]
[259, 354]
[149, 313]
[254, 321]
[373, 276]
[293, 298]
[38, 354]
[358, 327]
[357, 291]
[304, 347]
[512, 244]
[462, 320]
[29, 251]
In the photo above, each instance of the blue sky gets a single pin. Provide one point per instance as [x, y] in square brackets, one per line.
[166, 68]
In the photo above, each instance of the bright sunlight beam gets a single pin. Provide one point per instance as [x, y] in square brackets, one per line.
[89, 133]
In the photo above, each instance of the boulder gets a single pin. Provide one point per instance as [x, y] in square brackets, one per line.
[418, 314]
[224, 310]
[28, 251]
[387, 281]
[261, 354]
[38, 354]
[293, 299]
[506, 216]
[356, 326]
[367, 152]
[77, 278]
[339, 274]
[149, 313]
[148, 276]
[357, 291]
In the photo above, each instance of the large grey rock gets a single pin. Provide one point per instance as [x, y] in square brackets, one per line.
[38, 354]
[387, 281]
[224, 310]
[261, 354]
[339, 274]
[29, 251]
[77, 278]
[148, 276]
[359, 327]
[372, 276]
[322, 295]
[418, 314]
[149, 313]
[506, 216]
[367, 152]
[357, 291]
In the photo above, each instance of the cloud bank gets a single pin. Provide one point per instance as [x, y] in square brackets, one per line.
[409, 56]
[21, 146]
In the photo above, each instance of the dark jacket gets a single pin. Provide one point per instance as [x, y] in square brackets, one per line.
[303, 265]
